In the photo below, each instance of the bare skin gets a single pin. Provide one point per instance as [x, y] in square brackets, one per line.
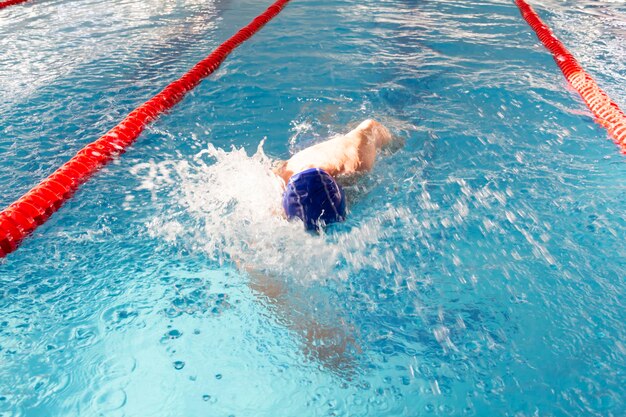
[352, 153]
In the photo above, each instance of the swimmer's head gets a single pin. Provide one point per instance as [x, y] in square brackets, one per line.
[314, 197]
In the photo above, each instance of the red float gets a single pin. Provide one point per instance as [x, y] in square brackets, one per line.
[8, 3]
[606, 111]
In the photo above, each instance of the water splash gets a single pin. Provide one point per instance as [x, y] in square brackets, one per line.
[228, 205]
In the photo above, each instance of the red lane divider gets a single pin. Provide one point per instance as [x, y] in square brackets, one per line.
[606, 111]
[36, 206]
[7, 3]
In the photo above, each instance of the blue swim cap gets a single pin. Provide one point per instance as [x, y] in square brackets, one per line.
[314, 197]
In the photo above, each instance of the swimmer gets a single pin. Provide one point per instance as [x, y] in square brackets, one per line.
[312, 193]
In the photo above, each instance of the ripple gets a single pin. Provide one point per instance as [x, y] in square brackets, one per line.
[109, 400]
[118, 317]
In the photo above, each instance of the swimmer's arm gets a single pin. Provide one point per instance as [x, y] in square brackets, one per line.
[327, 344]
[259, 282]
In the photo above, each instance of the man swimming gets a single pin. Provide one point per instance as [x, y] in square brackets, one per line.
[312, 193]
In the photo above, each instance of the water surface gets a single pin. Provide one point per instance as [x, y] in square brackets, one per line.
[481, 271]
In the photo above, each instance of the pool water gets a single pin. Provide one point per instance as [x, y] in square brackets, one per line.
[481, 270]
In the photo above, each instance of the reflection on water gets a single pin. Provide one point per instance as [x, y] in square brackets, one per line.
[41, 46]
[69, 74]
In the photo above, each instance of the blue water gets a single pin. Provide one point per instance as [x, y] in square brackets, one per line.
[481, 271]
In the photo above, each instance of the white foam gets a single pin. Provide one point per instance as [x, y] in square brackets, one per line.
[228, 205]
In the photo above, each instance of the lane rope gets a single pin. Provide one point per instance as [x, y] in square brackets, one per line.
[37, 205]
[8, 3]
[606, 111]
